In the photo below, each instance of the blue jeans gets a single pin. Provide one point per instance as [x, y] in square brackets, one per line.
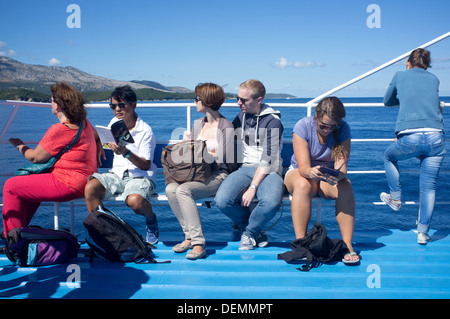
[429, 148]
[250, 219]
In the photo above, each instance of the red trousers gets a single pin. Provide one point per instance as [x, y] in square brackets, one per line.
[22, 196]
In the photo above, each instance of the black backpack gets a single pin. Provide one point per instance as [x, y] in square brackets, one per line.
[112, 238]
[316, 247]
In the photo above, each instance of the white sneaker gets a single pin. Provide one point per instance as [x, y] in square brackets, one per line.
[247, 243]
[423, 238]
[394, 204]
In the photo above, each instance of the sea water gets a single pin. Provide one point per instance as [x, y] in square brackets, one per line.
[31, 123]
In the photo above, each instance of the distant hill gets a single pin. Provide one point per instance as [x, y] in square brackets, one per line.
[158, 86]
[21, 81]
[18, 75]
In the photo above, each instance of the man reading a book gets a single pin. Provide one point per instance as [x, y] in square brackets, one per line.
[133, 172]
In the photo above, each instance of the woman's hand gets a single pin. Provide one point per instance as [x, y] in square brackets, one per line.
[316, 174]
[330, 179]
[100, 153]
[187, 136]
[16, 141]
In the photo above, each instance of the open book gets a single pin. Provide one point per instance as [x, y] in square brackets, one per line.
[118, 134]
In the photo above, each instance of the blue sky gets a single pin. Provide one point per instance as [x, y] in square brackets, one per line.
[303, 48]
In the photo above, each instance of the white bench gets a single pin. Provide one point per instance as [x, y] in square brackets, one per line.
[161, 198]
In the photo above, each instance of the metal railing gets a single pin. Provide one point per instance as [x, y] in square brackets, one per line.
[309, 105]
[17, 104]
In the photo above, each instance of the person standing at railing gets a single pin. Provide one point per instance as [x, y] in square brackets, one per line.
[259, 131]
[420, 133]
[218, 132]
[66, 180]
[133, 172]
[322, 140]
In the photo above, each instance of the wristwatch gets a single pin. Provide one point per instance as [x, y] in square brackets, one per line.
[127, 154]
[253, 186]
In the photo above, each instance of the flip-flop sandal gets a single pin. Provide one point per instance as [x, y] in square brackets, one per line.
[350, 261]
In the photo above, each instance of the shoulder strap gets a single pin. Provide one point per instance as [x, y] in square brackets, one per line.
[74, 141]
[76, 138]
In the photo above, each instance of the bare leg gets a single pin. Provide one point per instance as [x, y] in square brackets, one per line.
[343, 194]
[140, 206]
[93, 193]
[302, 191]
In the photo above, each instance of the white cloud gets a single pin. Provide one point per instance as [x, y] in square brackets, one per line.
[4, 51]
[284, 63]
[54, 61]
[308, 65]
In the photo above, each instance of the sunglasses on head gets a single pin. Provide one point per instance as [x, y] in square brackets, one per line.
[324, 126]
[120, 105]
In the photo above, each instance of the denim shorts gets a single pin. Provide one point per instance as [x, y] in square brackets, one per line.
[115, 186]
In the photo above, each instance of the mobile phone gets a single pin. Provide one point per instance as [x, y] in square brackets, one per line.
[330, 171]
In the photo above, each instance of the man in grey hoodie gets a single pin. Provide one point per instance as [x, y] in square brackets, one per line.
[252, 195]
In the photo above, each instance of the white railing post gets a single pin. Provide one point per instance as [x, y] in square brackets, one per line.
[188, 118]
[56, 215]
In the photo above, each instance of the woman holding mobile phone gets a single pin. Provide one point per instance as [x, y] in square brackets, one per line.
[322, 140]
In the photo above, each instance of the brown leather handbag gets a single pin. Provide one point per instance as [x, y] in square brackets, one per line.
[186, 161]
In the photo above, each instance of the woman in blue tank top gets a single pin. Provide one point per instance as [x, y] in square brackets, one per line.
[322, 141]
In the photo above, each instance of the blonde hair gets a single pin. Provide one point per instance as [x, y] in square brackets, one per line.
[256, 88]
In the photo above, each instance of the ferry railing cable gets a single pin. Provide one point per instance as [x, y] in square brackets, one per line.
[373, 71]
[17, 104]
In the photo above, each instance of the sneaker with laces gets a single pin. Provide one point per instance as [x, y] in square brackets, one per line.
[247, 242]
[394, 204]
[423, 238]
[152, 231]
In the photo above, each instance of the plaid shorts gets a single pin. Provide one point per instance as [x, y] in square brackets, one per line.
[115, 186]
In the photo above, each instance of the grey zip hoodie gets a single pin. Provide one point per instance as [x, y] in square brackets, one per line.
[260, 139]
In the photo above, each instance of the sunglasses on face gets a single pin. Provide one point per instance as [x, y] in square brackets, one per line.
[197, 99]
[120, 105]
[324, 126]
[243, 101]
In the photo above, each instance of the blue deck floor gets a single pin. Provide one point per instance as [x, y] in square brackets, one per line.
[393, 265]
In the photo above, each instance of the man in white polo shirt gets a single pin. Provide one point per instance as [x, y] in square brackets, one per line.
[133, 171]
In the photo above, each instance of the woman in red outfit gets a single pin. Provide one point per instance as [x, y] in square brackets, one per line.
[22, 195]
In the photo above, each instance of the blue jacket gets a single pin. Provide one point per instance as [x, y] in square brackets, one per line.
[417, 92]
